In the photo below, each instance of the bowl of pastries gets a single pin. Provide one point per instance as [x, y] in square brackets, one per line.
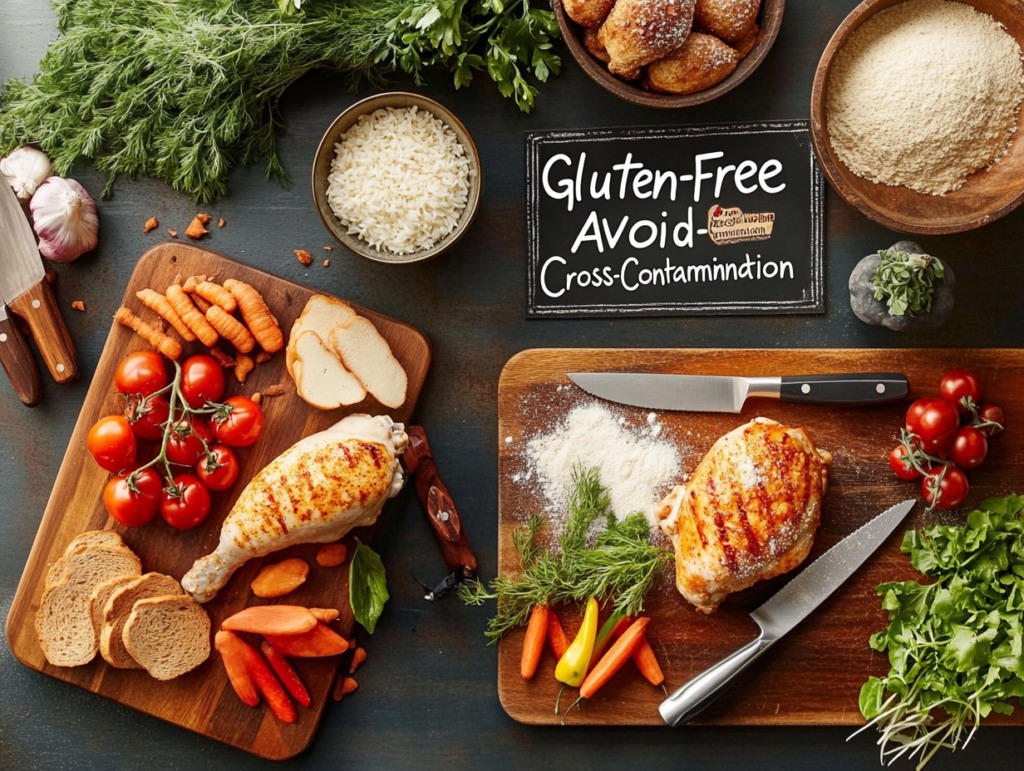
[669, 53]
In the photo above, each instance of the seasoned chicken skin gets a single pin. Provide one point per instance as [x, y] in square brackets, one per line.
[748, 513]
[314, 492]
[637, 32]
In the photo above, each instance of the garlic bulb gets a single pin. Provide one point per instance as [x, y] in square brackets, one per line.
[65, 220]
[26, 169]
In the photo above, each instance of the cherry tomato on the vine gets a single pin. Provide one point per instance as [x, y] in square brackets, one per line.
[243, 424]
[185, 443]
[148, 420]
[990, 413]
[142, 372]
[112, 443]
[959, 384]
[218, 469]
[133, 507]
[202, 380]
[901, 465]
[969, 448]
[951, 484]
[934, 422]
[185, 503]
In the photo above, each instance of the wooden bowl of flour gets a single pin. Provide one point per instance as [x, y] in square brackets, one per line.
[987, 195]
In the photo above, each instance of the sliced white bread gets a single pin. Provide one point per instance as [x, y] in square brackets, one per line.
[99, 597]
[119, 607]
[320, 377]
[168, 636]
[367, 354]
[321, 315]
[63, 622]
[59, 570]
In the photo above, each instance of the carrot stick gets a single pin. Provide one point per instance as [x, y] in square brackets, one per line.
[229, 644]
[533, 645]
[284, 671]
[556, 636]
[613, 660]
[647, 662]
[602, 643]
[270, 687]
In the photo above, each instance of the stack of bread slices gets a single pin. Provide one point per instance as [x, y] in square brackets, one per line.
[96, 599]
[336, 357]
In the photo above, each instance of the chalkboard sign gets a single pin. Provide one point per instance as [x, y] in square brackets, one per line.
[674, 221]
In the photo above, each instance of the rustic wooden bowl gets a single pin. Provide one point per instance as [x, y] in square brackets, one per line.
[769, 18]
[986, 196]
[325, 154]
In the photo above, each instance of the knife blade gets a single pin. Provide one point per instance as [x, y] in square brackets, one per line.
[23, 284]
[17, 361]
[786, 608]
[718, 393]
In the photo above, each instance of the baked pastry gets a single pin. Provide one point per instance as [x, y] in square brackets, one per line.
[746, 43]
[701, 62]
[591, 39]
[638, 32]
[729, 20]
[588, 13]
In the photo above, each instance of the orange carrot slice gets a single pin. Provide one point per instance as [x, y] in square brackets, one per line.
[229, 644]
[284, 671]
[280, 578]
[272, 619]
[318, 641]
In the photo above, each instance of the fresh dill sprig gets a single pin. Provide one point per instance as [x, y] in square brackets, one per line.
[620, 567]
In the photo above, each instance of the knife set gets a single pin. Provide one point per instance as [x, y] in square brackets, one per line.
[25, 292]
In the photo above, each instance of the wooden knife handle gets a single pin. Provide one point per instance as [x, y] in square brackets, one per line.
[39, 308]
[18, 364]
[438, 504]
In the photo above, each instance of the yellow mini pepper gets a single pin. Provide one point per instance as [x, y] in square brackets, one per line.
[572, 668]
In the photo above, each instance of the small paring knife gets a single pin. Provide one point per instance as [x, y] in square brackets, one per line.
[786, 608]
[17, 361]
[715, 393]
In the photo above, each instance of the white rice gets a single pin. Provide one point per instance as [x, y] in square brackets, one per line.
[399, 180]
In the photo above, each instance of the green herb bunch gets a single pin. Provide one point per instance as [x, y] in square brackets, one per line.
[906, 281]
[620, 567]
[956, 646]
[184, 90]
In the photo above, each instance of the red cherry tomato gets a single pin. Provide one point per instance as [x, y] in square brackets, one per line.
[142, 372]
[934, 422]
[133, 507]
[185, 443]
[202, 380]
[148, 420]
[959, 384]
[990, 413]
[219, 468]
[900, 465]
[952, 487]
[969, 448]
[242, 426]
[112, 443]
[185, 503]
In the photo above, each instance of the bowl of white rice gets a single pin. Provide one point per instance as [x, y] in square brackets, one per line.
[397, 178]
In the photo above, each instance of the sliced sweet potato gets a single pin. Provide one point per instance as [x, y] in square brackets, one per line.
[327, 615]
[331, 555]
[272, 620]
[230, 647]
[280, 578]
[318, 641]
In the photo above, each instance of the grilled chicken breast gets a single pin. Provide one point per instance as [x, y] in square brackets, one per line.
[314, 492]
[749, 512]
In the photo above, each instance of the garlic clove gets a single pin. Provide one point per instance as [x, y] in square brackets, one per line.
[65, 219]
[26, 169]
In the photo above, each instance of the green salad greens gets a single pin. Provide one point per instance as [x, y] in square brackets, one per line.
[907, 281]
[184, 90]
[956, 645]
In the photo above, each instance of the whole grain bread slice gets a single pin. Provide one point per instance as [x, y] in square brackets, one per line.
[168, 636]
[119, 607]
[63, 622]
[100, 595]
[92, 539]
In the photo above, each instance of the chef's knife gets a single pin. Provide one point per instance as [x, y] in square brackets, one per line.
[17, 359]
[787, 608]
[23, 285]
[714, 393]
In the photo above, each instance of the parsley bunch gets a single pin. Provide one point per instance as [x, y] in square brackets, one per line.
[906, 281]
[184, 90]
[956, 646]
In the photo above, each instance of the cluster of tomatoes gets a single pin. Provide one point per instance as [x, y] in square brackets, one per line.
[173, 444]
[945, 436]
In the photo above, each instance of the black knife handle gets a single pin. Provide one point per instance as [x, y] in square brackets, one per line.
[862, 388]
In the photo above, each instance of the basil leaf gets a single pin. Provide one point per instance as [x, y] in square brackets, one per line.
[367, 586]
[870, 701]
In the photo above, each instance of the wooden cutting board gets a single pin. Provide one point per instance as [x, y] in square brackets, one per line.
[203, 700]
[813, 675]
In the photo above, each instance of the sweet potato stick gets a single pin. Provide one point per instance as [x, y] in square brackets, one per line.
[257, 316]
[195, 320]
[217, 295]
[243, 367]
[157, 302]
[168, 346]
[232, 330]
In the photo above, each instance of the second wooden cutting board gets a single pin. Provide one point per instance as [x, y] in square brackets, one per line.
[203, 700]
[813, 676]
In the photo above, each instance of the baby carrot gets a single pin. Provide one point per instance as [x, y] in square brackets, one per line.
[533, 645]
[613, 660]
[284, 671]
[647, 662]
[556, 636]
